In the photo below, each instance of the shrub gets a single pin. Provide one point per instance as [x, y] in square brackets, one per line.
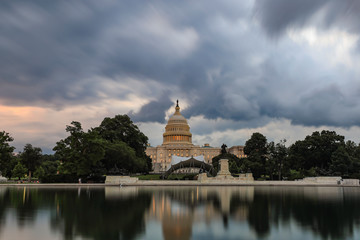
[59, 178]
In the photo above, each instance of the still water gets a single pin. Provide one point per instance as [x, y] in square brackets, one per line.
[179, 213]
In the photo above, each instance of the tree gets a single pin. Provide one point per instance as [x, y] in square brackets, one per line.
[31, 158]
[19, 171]
[300, 156]
[323, 145]
[116, 144]
[256, 151]
[121, 159]
[340, 162]
[276, 160]
[6, 154]
[355, 158]
[121, 129]
[353, 150]
[257, 143]
[315, 151]
[270, 164]
[80, 153]
[50, 164]
[39, 173]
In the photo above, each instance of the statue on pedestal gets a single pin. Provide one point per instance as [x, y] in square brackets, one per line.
[223, 148]
[224, 172]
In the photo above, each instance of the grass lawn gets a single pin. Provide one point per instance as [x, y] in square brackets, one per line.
[22, 180]
[183, 176]
[149, 177]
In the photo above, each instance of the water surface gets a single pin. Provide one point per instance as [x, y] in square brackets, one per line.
[179, 213]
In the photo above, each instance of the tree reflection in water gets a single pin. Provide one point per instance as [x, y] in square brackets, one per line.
[84, 212]
[122, 213]
[330, 212]
[94, 216]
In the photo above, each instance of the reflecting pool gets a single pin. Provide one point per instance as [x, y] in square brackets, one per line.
[179, 213]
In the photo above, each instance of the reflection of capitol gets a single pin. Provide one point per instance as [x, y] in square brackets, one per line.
[179, 210]
[190, 212]
[177, 141]
[120, 192]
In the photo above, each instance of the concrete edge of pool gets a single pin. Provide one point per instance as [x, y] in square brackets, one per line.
[182, 183]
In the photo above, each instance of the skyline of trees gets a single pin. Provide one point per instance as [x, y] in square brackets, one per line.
[117, 146]
[322, 153]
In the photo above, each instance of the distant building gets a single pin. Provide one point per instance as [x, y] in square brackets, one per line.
[177, 140]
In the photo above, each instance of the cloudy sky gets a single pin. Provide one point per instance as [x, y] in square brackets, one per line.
[283, 68]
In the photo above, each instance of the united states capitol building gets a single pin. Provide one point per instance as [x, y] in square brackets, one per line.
[177, 141]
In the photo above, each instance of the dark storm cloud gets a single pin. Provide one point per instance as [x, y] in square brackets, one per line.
[328, 106]
[213, 55]
[48, 50]
[153, 111]
[278, 15]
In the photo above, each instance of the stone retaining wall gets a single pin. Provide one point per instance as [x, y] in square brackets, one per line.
[322, 180]
[120, 180]
[350, 182]
[242, 180]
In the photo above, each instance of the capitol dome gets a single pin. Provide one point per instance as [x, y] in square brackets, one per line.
[177, 130]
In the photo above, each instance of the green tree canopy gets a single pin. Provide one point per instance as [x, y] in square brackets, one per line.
[345, 161]
[257, 143]
[276, 163]
[121, 129]
[80, 153]
[31, 158]
[315, 151]
[256, 151]
[116, 146]
[120, 158]
[340, 162]
[6, 154]
[50, 164]
[40, 172]
[19, 170]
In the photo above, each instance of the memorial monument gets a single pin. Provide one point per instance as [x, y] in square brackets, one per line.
[224, 172]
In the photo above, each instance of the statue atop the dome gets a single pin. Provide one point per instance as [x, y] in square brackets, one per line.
[177, 108]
